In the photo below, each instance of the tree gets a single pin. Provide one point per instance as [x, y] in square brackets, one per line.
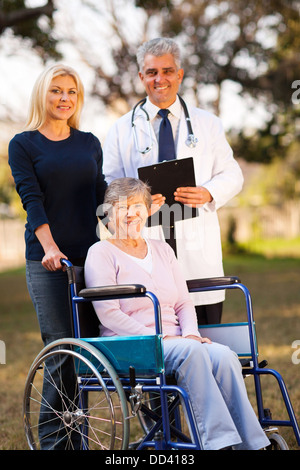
[24, 22]
[252, 43]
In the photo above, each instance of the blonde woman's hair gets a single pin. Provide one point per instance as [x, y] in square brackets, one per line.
[37, 107]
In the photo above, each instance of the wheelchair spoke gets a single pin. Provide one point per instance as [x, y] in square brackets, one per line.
[151, 418]
[68, 406]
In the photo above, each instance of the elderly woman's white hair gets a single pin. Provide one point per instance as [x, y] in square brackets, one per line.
[121, 188]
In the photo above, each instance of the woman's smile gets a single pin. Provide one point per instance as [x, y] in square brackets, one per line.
[134, 221]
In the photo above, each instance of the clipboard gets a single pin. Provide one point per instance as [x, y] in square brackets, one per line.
[164, 178]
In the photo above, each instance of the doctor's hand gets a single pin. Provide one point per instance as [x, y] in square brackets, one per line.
[193, 196]
[157, 201]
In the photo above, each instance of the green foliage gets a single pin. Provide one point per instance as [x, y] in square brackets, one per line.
[8, 194]
[278, 139]
[6, 185]
[255, 44]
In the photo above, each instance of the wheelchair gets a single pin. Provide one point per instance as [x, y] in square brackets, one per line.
[98, 384]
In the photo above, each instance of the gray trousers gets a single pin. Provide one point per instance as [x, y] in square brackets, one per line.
[211, 375]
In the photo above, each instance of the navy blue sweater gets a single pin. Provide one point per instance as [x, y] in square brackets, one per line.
[61, 184]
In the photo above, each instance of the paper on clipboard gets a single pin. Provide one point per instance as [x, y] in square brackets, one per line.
[164, 178]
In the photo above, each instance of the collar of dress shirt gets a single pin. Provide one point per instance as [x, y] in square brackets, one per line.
[152, 110]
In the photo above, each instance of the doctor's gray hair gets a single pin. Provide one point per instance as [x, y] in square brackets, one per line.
[158, 47]
[126, 188]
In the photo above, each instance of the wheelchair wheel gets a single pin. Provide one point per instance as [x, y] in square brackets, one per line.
[74, 400]
[277, 442]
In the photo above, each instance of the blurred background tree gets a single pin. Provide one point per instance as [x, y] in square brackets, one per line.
[252, 45]
[255, 45]
[25, 22]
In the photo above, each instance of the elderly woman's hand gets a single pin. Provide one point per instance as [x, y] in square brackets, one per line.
[196, 338]
[199, 338]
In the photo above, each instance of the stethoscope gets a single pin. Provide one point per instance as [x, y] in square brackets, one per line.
[191, 140]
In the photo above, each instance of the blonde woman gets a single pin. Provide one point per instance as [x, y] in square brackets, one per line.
[58, 174]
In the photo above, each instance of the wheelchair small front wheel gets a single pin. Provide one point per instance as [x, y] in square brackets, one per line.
[277, 442]
[74, 400]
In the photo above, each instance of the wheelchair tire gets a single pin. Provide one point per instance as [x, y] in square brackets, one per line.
[277, 442]
[84, 407]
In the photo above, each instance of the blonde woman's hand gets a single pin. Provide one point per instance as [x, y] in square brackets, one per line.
[51, 260]
[53, 255]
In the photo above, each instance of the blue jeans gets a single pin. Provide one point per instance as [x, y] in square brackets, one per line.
[211, 375]
[49, 294]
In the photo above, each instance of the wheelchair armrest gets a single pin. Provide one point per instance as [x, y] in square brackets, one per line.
[212, 282]
[122, 290]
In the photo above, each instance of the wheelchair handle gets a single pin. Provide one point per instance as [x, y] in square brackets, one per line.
[103, 291]
[69, 268]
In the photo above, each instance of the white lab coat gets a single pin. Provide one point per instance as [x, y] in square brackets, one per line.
[198, 240]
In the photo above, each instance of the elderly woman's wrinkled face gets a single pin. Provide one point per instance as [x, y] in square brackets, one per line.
[128, 217]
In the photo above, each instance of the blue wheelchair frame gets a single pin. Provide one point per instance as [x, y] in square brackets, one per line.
[257, 369]
[115, 348]
[134, 371]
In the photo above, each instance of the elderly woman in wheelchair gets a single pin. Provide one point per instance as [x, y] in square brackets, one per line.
[209, 372]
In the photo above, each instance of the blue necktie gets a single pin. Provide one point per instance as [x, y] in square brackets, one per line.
[166, 144]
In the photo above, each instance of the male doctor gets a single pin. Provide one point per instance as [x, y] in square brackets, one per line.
[218, 176]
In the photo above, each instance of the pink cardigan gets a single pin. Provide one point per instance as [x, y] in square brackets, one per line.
[108, 265]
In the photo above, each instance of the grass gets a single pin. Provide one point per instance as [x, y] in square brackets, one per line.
[276, 247]
[274, 286]
[20, 332]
